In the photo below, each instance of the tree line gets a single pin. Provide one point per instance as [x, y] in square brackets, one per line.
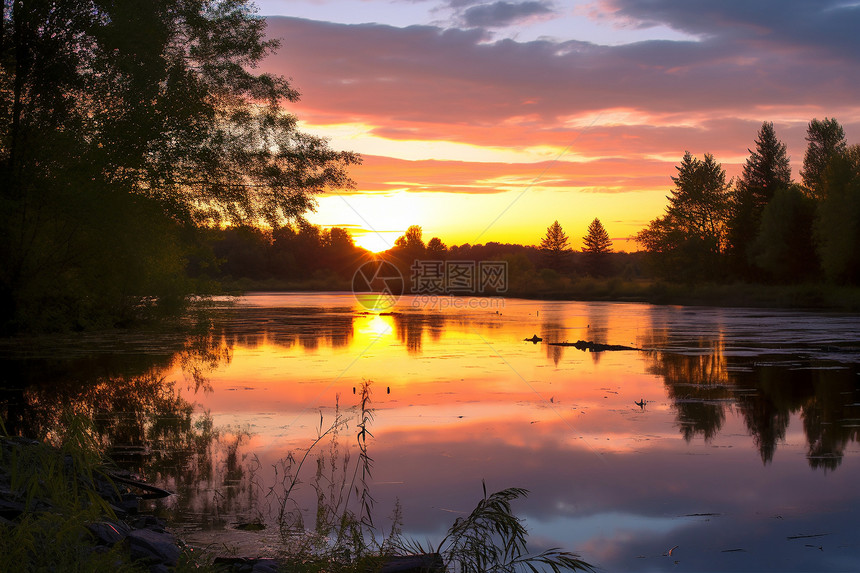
[764, 226]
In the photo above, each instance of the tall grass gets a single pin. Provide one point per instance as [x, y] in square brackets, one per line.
[344, 536]
[492, 538]
[54, 487]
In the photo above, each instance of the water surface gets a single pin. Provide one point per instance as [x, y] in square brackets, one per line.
[729, 436]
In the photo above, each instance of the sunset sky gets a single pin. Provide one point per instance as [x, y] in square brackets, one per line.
[488, 121]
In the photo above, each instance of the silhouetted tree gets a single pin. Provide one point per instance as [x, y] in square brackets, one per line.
[124, 124]
[838, 225]
[413, 238]
[436, 249]
[596, 244]
[766, 170]
[784, 246]
[825, 138]
[555, 247]
[689, 239]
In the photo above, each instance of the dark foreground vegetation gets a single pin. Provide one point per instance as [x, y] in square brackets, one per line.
[126, 129]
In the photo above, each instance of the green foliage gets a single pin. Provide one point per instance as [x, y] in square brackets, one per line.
[688, 241]
[597, 239]
[343, 535]
[826, 139]
[55, 484]
[766, 171]
[838, 225]
[124, 127]
[596, 244]
[784, 247]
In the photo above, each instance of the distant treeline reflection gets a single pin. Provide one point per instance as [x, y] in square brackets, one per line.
[704, 387]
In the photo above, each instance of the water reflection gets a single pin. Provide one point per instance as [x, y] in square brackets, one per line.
[704, 387]
[731, 416]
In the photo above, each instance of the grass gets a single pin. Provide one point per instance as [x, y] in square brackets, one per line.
[492, 538]
[345, 538]
[55, 487]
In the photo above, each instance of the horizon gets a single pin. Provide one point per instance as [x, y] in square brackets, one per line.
[487, 122]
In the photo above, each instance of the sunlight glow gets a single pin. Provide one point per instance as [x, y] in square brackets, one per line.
[375, 241]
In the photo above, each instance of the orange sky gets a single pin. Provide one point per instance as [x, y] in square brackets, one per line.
[488, 126]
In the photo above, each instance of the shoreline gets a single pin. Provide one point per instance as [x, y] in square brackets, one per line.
[816, 297]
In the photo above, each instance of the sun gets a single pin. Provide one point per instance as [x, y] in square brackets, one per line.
[376, 242]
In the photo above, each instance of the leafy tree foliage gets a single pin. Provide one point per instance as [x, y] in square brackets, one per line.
[302, 254]
[121, 114]
[689, 239]
[436, 249]
[555, 247]
[838, 225]
[826, 139]
[784, 247]
[412, 239]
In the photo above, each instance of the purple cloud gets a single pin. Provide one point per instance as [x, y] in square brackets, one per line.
[502, 14]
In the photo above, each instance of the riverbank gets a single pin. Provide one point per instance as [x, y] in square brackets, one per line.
[807, 296]
[810, 296]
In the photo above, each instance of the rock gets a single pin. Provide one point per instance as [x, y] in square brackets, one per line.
[109, 532]
[153, 547]
[424, 563]
[246, 565]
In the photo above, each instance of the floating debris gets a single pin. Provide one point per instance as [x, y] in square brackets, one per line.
[592, 346]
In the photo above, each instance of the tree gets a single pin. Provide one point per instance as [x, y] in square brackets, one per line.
[596, 245]
[115, 111]
[767, 168]
[436, 249]
[413, 238]
[597, 240]
[826, 139]
[555, 247]
[837, 227]
[688, 241]
[784, 246]
[766, 171]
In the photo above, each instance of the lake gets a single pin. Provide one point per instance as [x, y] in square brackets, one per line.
[722, 440]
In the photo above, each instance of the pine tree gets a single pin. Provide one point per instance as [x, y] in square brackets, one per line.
[555, 247]
[766, 171]
[689, 239]
[767, 168]
[597, 240]
[596, 245]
